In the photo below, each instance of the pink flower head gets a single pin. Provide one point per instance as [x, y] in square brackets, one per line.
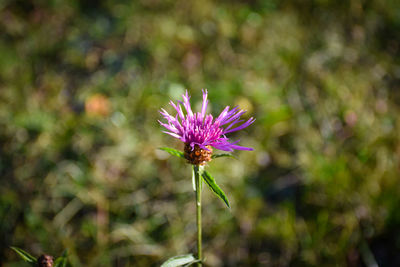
[202, 129]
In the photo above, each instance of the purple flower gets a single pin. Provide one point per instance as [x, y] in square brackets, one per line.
[202, 129]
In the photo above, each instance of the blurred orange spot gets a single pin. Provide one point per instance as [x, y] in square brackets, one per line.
[97, 105]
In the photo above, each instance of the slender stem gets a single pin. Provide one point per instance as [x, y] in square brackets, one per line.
[198, 182]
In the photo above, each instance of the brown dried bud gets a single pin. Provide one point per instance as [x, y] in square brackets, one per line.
[45, 261]
[197, 156]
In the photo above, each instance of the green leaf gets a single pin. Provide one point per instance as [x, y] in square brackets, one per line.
[173, 152]
[25, 255]
[65, 253]
[191, 263]
[210, 181]
[222, 155]
[61, 262]
[180, 261]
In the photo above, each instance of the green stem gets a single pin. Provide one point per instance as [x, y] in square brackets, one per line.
[198, 182]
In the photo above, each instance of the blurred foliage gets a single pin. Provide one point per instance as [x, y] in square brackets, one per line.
[81, 83]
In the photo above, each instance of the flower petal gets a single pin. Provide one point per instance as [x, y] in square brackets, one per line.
[242, 148]
[205, 103]
[178, 109]
[186, 104]
[244, 125]
[201, 129]
[173, 134]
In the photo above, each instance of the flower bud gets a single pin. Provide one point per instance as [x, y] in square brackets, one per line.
[45, 261]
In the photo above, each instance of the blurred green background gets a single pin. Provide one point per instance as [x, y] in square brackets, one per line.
[81, 83]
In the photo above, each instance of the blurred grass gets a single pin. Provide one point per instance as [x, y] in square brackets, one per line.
[81, 84]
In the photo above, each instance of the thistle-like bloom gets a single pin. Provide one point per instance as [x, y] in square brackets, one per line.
[200, 131]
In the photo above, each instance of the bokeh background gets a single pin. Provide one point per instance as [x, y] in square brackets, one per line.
[81, 83]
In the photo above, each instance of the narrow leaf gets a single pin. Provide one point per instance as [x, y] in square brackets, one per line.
[65, 253]
[191, 263]
[179, 261]
[60, 262]
[24, 255]
[210, 181]
[173, 152]
[201, 170]
[222, 155]
[194, 178]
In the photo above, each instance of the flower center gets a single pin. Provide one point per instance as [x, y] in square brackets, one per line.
[197, 156]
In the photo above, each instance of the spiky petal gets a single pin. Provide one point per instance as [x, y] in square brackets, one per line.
[202, 129]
